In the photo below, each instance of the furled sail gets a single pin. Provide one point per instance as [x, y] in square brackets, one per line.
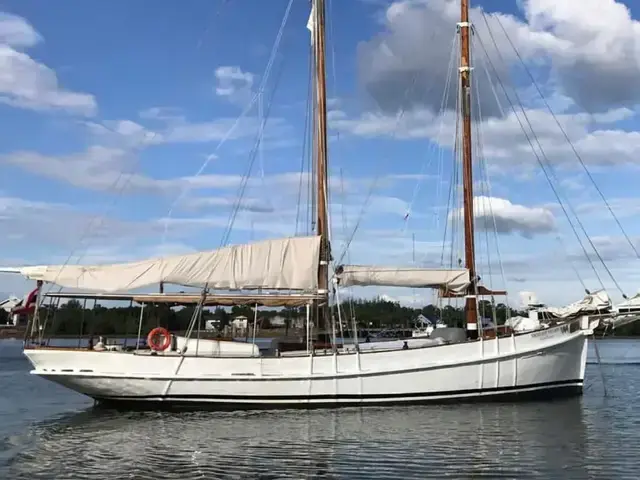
[280, 264]
[594, 303]
[450, 279]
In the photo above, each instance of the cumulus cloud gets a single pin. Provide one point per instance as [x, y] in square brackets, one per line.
[255, 205]
[596, 57]
[590, 47]
[504, 217]
[17, 32]
[408, 65]
[234, 84]
[162, 125]
[22, 221]
[505, 140]
[26, 83]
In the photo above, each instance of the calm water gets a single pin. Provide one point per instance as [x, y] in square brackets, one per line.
[48, 432]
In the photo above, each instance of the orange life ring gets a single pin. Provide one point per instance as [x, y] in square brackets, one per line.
[153, 339]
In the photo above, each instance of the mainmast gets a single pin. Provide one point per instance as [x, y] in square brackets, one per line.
[320, 143]
[467, 168]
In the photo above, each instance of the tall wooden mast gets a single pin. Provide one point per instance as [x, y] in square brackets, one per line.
[320, 143]
[467, 168]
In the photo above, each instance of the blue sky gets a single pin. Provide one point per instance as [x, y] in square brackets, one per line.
[109, 110]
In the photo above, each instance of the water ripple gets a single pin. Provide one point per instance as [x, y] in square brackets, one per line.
[589, 438]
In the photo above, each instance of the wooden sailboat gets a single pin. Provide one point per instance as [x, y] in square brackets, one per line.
[545, 361]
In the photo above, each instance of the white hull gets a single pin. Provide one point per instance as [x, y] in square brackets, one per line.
[543, 362]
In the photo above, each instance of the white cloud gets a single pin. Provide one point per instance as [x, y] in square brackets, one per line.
[596, 56]
[23, 223]
[113, 169]
[501, 215]
[123, 133]
[80, 232]
[174, 127]
[24, 82]
[99, 168]
[504, 138]
[75, 236]
[590, 45]
[17, 32]
[228, 203]
[163, 114]
[234, 84]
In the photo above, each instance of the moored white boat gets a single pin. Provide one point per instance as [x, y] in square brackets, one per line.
[542, 360]
[535, 364]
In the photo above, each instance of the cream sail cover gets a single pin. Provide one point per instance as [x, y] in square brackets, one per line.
[593, 303]
[280, 264]
[455, 280]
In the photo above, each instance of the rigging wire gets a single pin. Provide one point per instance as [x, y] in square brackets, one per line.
[486, 187]
[451, 213]
[306, 148]
[399, 117]
[564, 133]
[544, 169]
[484, 180]
[573, 267]
[429, 158]
[252, 157]
[245, 111]
[551, 170]
[441, 152]
[108, 207]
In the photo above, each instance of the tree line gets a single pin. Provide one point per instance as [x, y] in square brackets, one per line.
[72, 319]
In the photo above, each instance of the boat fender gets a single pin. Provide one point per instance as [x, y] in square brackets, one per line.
[159, 339]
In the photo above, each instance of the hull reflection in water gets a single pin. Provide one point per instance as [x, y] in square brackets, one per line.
[509, 441]
[539, 364]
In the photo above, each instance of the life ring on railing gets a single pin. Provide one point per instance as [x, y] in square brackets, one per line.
[153, 339]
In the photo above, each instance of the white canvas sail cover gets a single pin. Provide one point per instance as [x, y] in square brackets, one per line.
[455, 280]
[592, 304]
[280, 264]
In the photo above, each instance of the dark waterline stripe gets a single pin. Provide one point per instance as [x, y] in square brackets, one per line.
[361, 396]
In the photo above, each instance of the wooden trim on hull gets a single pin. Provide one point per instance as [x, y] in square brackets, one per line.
[535, 392]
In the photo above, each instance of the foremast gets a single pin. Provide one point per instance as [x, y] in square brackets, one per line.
[471, 310]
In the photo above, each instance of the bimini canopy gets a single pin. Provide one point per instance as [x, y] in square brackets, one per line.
[280, 264]
[456, 280]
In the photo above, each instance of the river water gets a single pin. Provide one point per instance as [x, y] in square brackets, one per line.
[47, 432]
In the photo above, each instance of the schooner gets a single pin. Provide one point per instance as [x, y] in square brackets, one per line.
[457, 364]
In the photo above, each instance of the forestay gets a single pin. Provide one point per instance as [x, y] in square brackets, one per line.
[280, 264]
[456, 280]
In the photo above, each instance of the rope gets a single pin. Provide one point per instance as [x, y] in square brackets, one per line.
[427, 163]
[89, 226]
[564, 133]
[245, 111]
[546, 173]
[245, 179]
[488, 191]
[306, 155]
